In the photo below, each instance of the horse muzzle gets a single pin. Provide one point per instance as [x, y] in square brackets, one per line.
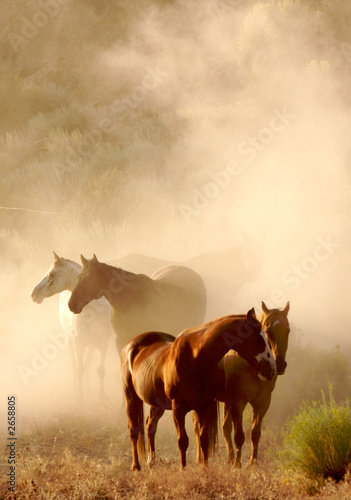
[36, 297]
[266, 371]
[75, 308]
[281, 365]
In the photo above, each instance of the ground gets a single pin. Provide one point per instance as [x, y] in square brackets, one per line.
[84, 453]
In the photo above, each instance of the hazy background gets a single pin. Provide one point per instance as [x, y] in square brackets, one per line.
[118, 120]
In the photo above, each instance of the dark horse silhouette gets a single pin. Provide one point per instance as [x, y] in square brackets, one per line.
[171, 300]
[182, 375]
[224, 272]
[243, 386]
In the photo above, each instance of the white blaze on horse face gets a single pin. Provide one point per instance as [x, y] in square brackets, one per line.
[266, 355]
[277, 322]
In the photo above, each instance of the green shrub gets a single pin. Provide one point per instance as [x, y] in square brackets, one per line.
[317, 440]
[320, 367]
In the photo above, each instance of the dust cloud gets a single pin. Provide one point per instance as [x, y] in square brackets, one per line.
[178, 130]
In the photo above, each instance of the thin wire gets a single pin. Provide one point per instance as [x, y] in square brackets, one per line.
[30, 210]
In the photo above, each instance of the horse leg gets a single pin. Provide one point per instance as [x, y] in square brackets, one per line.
[80, 352]
[202, 438]
[179, 420]
[151, 426]
[207, 428]
[239, 436]
[134, 407]
[227, 426]
[72, 350]
[101, 371]
[258, 413]
[196, 424]
[88, 355]
[79, 366]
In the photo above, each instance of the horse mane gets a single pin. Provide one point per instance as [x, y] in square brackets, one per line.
[109, 267]
[131, 288]
[131, 284]
[205, 326]
[125, 276]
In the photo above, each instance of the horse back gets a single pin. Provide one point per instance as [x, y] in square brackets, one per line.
[144, 340]
[178, 274]
[184, 277]
[142, 361]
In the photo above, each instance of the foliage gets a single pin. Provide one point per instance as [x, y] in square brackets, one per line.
[54, 97]
[317, 440]
[310, 369]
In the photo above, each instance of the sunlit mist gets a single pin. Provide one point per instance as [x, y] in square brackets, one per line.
[173, 130]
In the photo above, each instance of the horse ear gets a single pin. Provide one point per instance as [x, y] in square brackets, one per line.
[264, 308]
[84, 260]
[286, 308]
[251, 315]
[95, 258]
[57, 258]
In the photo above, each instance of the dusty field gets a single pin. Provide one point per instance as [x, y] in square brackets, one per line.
[84, 453]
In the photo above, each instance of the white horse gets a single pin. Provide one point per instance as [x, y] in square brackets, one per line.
[90, 328]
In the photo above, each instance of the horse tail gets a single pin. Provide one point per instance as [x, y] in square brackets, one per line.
[213, 428]
[211, 423]
[141, 436]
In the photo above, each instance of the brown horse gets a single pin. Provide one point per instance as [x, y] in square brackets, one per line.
[171, 300]
[242, 385]
[182, 374]
[224, 272]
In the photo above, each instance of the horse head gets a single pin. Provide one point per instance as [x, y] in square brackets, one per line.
[255, 348]
[57, 279]
[276, 326]
[88, 286]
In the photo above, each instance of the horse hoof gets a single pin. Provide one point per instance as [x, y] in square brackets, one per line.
[135, 467]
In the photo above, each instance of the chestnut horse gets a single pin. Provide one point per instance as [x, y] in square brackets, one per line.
[242, 386]
[182, 375]
[171, 300]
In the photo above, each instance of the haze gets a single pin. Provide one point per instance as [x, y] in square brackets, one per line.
[173, 130]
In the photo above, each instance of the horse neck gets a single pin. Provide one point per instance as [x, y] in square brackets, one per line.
[118, 284]
[72, 270]
[218, 340]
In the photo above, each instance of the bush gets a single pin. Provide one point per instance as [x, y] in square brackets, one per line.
[317, 441]
[320, 367]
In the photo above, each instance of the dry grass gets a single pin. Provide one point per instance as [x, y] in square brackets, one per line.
[85, 454]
